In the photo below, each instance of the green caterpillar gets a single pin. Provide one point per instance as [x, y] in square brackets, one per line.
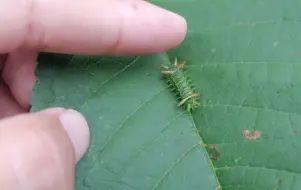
[181, 85]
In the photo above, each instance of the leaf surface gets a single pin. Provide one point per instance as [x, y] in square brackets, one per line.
[243, 57]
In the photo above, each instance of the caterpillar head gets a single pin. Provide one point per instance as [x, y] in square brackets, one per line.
[171, 68]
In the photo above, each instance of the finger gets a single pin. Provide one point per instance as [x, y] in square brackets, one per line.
[8, 105]
[19, 75]
[37, 153]
[90, 27]
[2, 60]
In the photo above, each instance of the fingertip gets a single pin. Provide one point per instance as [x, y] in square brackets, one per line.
[75, 126]
[19, 75]
[37, 151]
[159, 29]
[176, 27]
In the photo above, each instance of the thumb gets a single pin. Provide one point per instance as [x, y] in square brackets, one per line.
[40, 150]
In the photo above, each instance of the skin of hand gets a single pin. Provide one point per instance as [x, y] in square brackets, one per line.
[39, 150]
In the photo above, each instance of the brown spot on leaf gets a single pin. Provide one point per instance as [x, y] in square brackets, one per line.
[294, 132]
[214, 154]
[279, 181]
[213, 147]
[248, 135]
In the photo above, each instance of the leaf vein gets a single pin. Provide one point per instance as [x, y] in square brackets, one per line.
[173, 166]
[259, 168]
[108, 80]
[239, 62]
[207, 153]
[251, 107]
[141, 150]
[127, 118]
[245, 24]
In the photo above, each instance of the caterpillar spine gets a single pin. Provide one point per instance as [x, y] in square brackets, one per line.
[181, 85]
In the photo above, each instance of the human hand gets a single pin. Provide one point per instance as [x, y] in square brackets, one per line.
[38, 150]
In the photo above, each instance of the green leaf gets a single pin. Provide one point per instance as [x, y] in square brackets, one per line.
[140, 138]
[243, 58]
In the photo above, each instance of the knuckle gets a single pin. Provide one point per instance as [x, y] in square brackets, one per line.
[34, 36]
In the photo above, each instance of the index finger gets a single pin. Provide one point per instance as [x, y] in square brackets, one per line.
[89, 27]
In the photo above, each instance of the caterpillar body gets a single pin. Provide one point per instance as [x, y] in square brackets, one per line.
[181, 85]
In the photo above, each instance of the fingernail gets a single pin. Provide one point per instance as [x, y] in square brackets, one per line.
[78, 130]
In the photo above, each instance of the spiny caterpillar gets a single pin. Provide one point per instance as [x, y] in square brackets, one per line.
[181, 85]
